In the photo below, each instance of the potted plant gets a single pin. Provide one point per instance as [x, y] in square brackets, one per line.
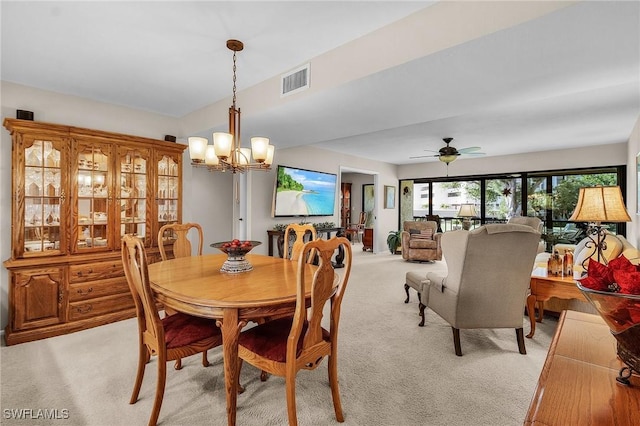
[394, 241]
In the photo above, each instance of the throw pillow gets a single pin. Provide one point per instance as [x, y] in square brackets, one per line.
[425, 234]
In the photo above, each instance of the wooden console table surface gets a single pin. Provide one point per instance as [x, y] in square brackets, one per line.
[577, 385]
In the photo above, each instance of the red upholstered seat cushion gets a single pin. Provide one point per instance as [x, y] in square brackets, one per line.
[269, 340]
[182, 329]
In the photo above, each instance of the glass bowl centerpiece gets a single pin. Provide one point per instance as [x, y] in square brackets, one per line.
[614, 290]
[236, 251]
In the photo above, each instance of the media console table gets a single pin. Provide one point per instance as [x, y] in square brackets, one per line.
[577, 385]
[279, 236]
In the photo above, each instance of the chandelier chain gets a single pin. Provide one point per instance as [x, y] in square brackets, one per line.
[234, 79]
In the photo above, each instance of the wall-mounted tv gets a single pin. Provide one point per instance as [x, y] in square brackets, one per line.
[301, 192]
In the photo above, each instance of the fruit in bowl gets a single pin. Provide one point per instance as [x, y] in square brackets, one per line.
[235, 251]
[236, 247]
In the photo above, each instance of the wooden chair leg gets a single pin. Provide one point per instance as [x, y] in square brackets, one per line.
[263, 376]
[143, 359]
[456, 341]
[205, 360]
[157, 403]
[520, 337]
[178, 364]
[406, 289]
[422, 308]
[240, 387]
[290, 381]
[335, 390]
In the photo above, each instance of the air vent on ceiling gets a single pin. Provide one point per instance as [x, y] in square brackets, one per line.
[295, 81]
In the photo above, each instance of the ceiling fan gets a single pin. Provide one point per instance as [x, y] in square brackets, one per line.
[448, 154]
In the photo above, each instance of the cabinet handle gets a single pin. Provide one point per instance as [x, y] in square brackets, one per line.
[62, 196]
[60, 296]
[84, 309]
[90, 271]
[84, 293]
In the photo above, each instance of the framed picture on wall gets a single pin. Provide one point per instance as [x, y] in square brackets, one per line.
[368, 203]
[389, 197]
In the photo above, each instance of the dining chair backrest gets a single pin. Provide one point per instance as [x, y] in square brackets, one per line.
[326, 285]
[134, 261]
[295, 237]
[178, 232]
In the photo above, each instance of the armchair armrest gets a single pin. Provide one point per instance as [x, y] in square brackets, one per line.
[436, 280]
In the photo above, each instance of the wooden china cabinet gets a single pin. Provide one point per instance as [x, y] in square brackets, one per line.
[75, 192]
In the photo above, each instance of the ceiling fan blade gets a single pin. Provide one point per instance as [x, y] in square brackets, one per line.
[469, 149]
[424, 156]
[474, 154]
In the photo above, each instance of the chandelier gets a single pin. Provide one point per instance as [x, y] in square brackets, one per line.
[226, 152]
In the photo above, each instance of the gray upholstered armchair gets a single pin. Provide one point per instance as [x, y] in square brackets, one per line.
[421, 241]
[488, 275]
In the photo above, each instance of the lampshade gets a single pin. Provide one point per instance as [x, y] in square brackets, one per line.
[222, 143]
[210, 157]
[270, 150]
[197, 148]
[467, 210]
[259, 148]
[600, 204]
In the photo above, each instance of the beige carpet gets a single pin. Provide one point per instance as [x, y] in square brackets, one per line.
[391, 371]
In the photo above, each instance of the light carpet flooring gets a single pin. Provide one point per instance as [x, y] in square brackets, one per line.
[391, 371]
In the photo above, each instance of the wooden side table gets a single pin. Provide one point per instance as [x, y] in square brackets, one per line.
[577, 385]
[544, 287]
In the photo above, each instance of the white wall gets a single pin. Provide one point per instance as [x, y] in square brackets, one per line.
[633, 191]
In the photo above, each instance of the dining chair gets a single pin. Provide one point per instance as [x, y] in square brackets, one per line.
[357, 229]
[295, 237]
[287, 345]
[170, 338]
[181, 244]
[178, 232]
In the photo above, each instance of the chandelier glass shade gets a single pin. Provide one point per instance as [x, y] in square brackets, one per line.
[226, 152]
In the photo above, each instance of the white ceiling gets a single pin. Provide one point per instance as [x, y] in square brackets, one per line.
[566, 79]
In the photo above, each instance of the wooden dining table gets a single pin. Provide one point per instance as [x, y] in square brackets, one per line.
[195, 285]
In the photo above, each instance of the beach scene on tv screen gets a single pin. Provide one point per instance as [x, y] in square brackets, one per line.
[304, 193]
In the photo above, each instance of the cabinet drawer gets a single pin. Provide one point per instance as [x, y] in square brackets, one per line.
[93, 289]
[100, 306]
[95, 271]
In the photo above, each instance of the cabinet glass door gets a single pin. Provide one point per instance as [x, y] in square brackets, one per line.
[43, 197]
[168, 190]
[133, 192]
[92, 195]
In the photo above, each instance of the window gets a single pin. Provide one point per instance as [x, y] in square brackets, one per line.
[549, 195]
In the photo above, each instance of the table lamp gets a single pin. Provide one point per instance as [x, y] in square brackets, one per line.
[597, 204]
[466, 212]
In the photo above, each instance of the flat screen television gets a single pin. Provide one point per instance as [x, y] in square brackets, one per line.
[301, 192]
